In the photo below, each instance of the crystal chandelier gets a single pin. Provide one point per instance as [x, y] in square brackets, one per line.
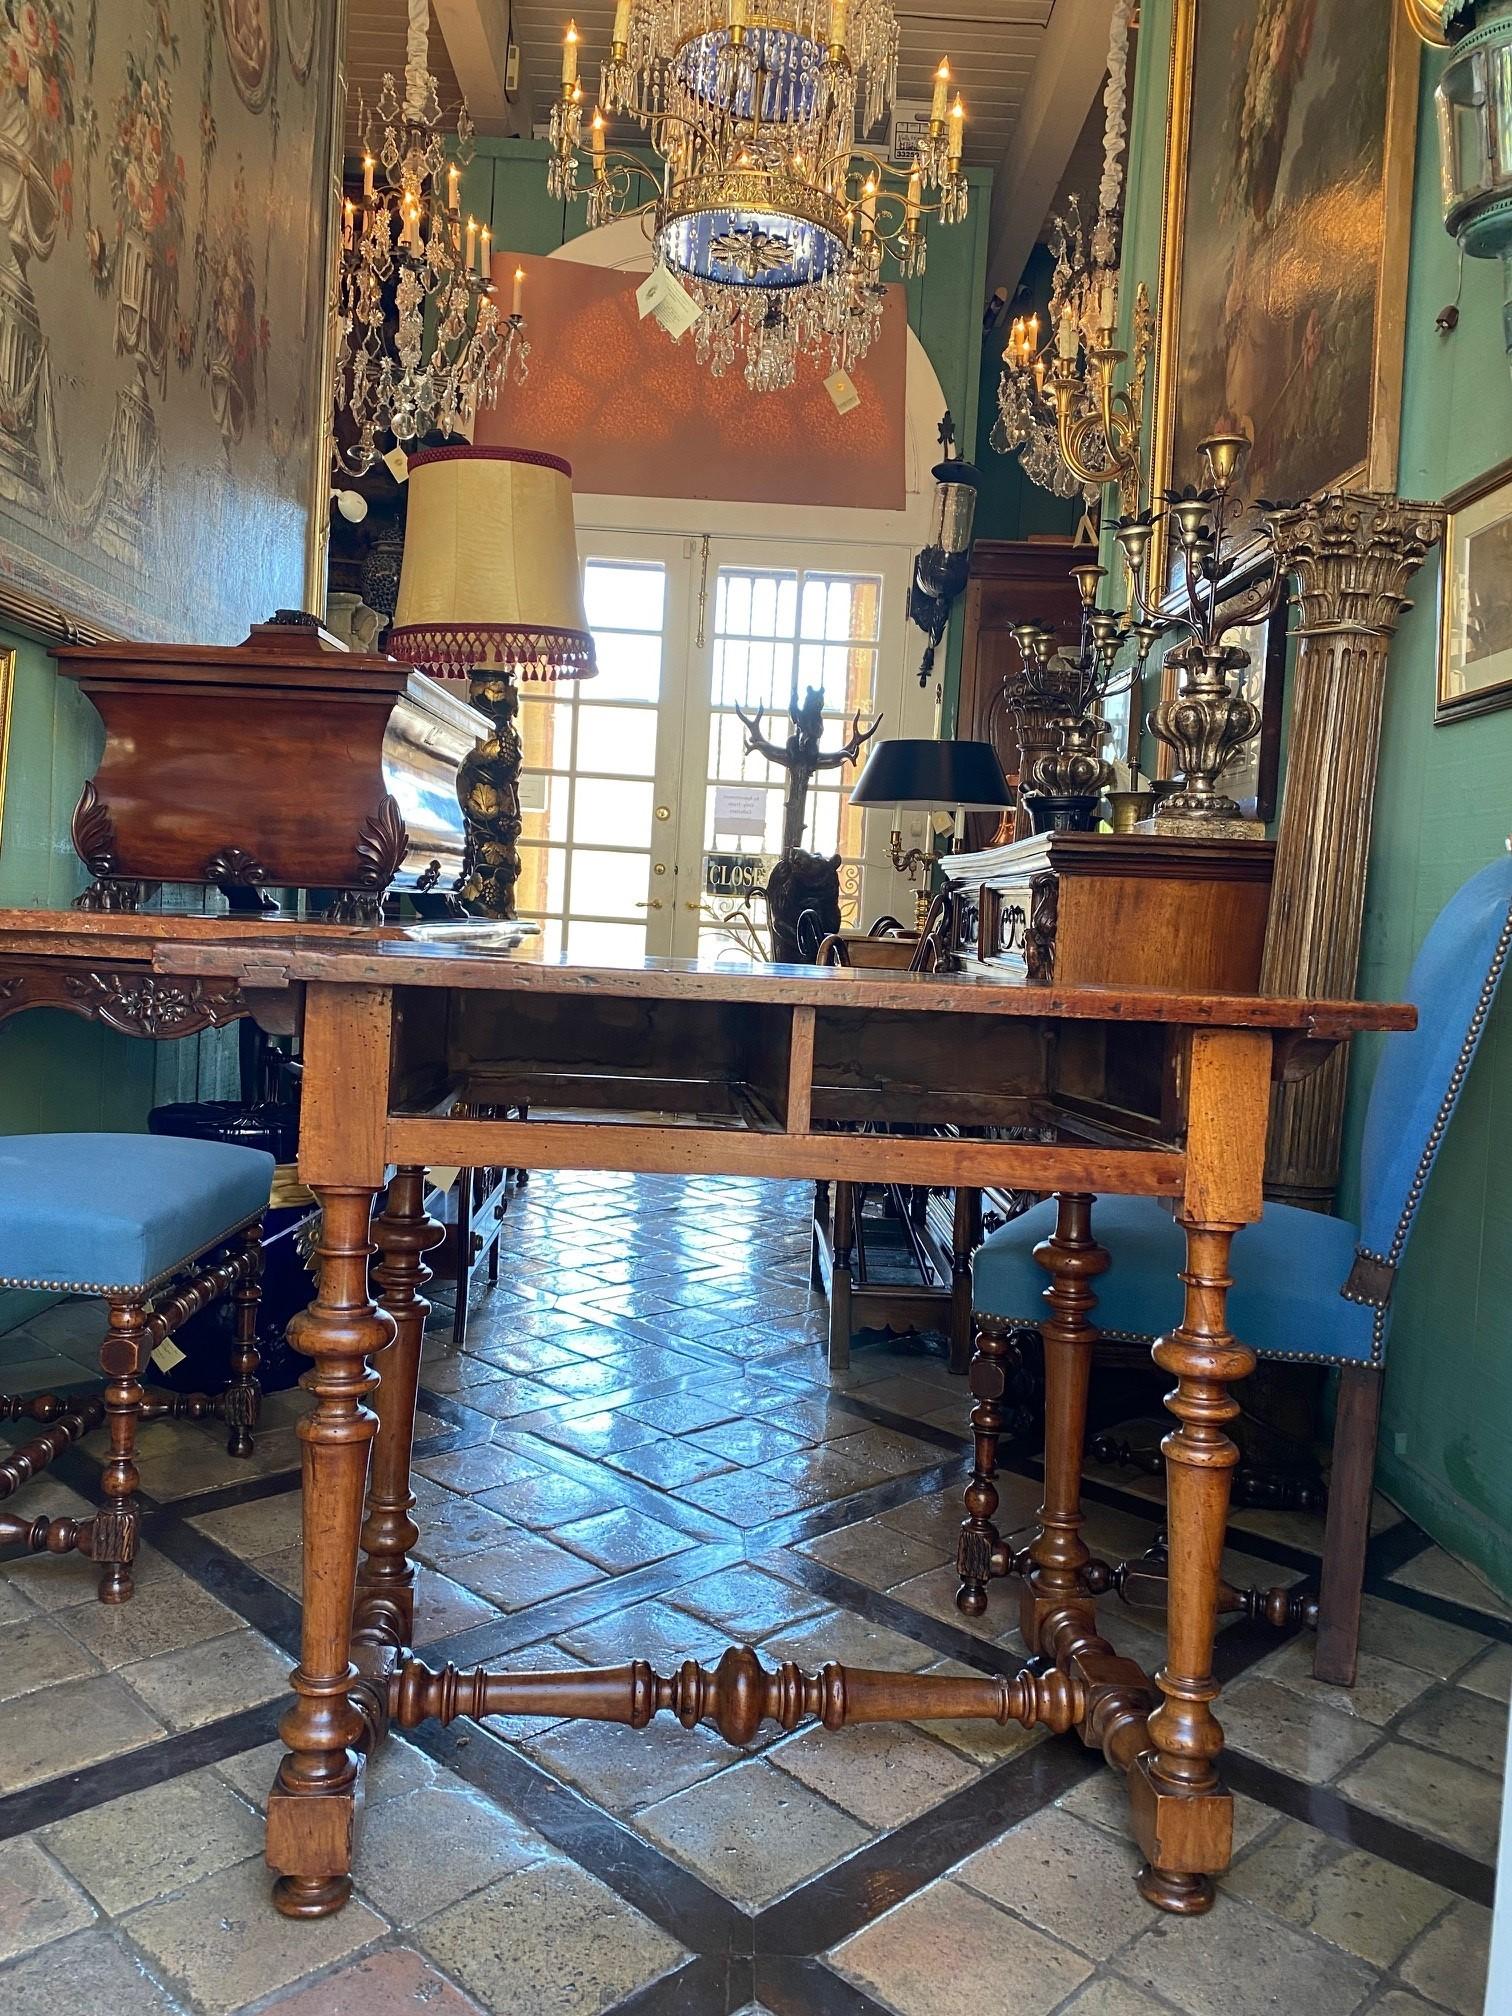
[763, 207]
[420, 340]
[1072, 428]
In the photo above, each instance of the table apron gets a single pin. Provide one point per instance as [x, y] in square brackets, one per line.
[720, 1151]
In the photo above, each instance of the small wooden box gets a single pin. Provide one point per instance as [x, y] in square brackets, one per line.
[1115, 909]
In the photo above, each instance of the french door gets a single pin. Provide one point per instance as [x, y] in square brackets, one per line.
[644, 816]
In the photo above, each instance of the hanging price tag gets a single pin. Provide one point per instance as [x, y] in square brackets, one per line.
[668, 301]
[397, 464]
[167, 1355]
[841, 388]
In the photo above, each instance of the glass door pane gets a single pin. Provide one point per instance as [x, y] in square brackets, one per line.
[775, 633]
[593, 763]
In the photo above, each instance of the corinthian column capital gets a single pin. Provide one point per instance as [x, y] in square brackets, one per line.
[1351, 554]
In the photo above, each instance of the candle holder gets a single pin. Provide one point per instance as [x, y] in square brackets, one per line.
[1207, 721]
[1056, 703]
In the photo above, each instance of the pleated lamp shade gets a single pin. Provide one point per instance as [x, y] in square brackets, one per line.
[490, 575]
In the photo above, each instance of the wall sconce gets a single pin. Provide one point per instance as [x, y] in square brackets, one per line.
[1475, 127]
[941, 567]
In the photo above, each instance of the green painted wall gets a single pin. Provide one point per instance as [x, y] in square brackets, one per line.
[1442, 810]
[59, 1074]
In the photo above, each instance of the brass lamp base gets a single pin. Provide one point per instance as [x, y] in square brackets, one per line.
[488, 790]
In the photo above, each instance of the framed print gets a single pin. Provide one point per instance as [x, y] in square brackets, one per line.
[1475, 645]
[167, 221]
[1288, 215]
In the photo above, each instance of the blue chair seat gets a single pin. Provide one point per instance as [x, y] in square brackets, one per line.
[1285, 1302]
[105, 1213]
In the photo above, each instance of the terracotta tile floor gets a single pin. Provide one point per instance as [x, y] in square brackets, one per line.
[640, 1454]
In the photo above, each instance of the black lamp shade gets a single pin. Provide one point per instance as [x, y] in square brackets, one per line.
[908, 772]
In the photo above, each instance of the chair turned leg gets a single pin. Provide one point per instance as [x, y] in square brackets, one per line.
[979, 1536]
[1347, 1534]
[243, 1398]
[114, 1526]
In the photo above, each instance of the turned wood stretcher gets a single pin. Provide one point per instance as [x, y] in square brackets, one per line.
[685, 1069]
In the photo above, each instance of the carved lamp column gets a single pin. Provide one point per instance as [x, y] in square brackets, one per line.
[490, 592]
[1351, 555]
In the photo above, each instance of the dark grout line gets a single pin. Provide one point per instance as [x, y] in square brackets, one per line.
[855, 1892]
[790, 1986]
[814, 1521]
[951, 1641]
[137, 1770]
[683, 1905]
[1481, 1622]
[1327, 1809]
[710, 1984]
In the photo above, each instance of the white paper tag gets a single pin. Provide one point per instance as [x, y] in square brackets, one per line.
[532, 788]
[740, 810]
[443, 1179]
[662, 296]
[167, 1355]
[397, 464]
[842, 390]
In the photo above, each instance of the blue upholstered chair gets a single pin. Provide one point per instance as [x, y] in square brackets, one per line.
[1309, 1288]
[159, 1228]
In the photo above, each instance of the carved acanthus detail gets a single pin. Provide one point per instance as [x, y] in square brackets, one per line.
[381, 846]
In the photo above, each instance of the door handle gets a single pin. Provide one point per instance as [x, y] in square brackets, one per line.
[654, 904]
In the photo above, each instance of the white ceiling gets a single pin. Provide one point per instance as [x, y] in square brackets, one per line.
[993, 47]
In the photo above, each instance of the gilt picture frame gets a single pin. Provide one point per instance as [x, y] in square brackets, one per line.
[7, 707]
[168, 219]
[1475, 600]
[1286, 231]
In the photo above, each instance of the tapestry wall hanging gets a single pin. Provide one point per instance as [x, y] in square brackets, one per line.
[166, 169]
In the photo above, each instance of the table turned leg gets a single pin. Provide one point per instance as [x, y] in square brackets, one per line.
[405, 1233]
[1183, 1816]
[312, 1808]
[1073, 1259]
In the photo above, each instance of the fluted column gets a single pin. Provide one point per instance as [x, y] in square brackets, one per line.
[1351, 555]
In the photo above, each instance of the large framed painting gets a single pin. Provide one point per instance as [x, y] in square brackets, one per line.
[1288, 217]
[166, 230]
[1475, 647]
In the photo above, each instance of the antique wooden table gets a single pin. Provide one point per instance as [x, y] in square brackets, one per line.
[751, 1071]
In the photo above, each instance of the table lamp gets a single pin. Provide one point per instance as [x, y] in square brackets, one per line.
[963, 776]
[490, 592]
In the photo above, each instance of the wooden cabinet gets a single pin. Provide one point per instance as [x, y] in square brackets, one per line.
[1012, 581]
[1105, 909]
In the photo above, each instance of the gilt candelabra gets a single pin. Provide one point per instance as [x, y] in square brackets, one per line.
[1057, 702]
[1207, 721]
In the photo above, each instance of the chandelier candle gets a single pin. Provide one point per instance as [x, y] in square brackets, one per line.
[762, 202]
[421, 344]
